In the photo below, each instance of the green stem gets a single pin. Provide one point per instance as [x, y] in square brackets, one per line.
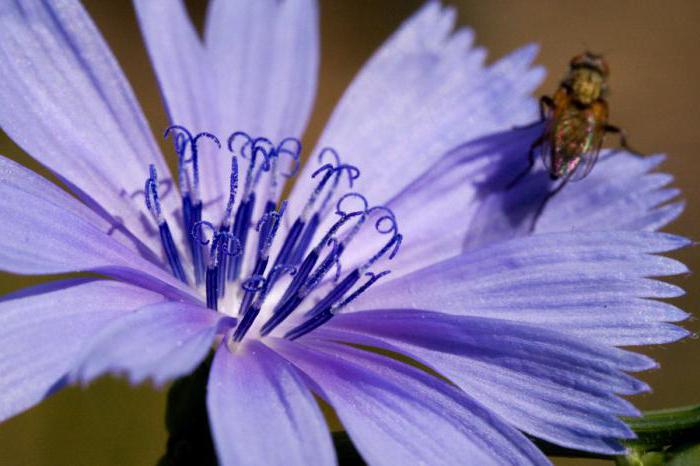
[666, 427]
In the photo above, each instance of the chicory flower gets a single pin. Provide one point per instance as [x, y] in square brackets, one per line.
[408, 178]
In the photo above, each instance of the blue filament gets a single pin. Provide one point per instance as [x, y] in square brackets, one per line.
[171, 252]
[338, 205]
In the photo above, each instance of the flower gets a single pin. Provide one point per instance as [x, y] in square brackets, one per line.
[525, 324]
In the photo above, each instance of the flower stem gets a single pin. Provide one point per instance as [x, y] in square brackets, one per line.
[189, 439]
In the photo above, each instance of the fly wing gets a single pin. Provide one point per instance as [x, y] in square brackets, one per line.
[589, 155]
[567, 142]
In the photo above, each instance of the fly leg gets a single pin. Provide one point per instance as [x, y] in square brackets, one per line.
[546, 200]
[546, 104]
[612, 129]
[531, 162]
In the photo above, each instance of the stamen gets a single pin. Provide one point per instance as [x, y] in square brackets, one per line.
[286, 250]
[308, 263]
[322, 314]
[329, 305]
[226, 223]
[244, 214]
[267, 228]
[223, 244]
[189, 186]
[254, 309]
[305, 281]
[166, 237]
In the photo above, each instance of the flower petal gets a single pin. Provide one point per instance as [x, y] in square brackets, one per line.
[550, 385]
[262, 413]
[423, 92]
[184, 73]
[43, 329]
[396, 414]
[161, 341]
[65, 101]
[47, 231]
[586, 284]
[265, 55]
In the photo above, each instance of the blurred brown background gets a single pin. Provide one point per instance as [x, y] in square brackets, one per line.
[652, 50]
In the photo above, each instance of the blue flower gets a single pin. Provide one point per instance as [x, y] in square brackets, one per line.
[525, 324]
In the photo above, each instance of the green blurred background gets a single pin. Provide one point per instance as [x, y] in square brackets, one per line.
[652, 50]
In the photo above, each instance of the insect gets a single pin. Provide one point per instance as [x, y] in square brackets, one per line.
[576, 124]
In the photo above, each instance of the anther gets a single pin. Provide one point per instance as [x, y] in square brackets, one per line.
[227, 222]
[222, 244]
[233, 189]
[166, 237]
[267, 229]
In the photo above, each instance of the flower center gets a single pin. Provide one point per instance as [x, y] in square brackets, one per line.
[283, 278]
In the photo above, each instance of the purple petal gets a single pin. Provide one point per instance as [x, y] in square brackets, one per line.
[184, 73]
[42, 332]
[65, 101]
[265, 55]
[161, 341]
[423, 92]
[46, 231]
[543, 382]
[262, 413]
[397, 414]
[584, 284]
